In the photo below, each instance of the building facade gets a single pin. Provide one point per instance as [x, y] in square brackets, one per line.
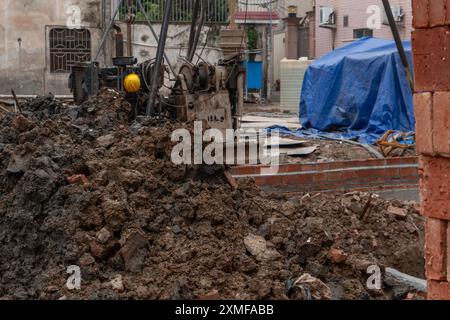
[40, 39]
[354, 19]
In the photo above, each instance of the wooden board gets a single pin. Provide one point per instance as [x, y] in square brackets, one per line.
[270, 119]
[284, 142]
[264, 125]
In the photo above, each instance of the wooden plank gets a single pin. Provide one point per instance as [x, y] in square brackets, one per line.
[264, 125]
[269, 119]
[284, 142]
[298, 152]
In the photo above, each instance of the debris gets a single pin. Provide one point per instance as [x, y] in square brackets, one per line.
[413, 282]
[104, 235]
[134, 250]
[128, 220]
[231, 180]
[399, 213]
[312, 288]
[337, 256]
[78, 179]
[213, 295]
[117, 283]
[260, 248]
[106, 141]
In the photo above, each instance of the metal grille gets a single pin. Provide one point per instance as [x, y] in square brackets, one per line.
[67, 47]
[217, 11]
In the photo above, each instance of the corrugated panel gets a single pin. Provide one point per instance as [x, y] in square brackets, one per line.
[292, 75]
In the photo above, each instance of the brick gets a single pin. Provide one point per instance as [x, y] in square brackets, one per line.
[423, 106]
[436, 249]
[435, 187]
[421, 17]
[441, 123]
[437, 12]
[438, 290]
[431, 59]
[337, 256]
[448, 252]
[447, 18]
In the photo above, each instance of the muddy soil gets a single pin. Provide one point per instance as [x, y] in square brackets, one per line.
[82, 186]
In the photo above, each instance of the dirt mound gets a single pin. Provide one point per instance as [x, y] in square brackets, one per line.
[80, 186]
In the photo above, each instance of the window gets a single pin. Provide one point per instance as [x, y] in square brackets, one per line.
[346, 21]
[360, 33]
[67, 47]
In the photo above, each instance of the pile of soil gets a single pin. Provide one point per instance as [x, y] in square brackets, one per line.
[81, 186]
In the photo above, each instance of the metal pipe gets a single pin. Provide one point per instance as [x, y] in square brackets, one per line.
[119, 41]
[32, 96]
[130, 36]
[398, 42]
[199, 30]
[155, 35]
[105, 34]
[159, 58]
[193, 22]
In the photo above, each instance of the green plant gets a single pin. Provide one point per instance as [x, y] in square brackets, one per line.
[252, 38]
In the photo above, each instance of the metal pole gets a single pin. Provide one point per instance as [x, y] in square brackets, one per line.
[191, 54]
[270, 56]
[155, 35]
[159, 58]
[193, 23]
[105, 34]
[232, 4]
[398, 42]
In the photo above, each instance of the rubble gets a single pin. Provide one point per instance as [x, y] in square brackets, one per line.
[169, 231]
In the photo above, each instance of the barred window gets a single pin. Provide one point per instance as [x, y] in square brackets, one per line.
[67, 47]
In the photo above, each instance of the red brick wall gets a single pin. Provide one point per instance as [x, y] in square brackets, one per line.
[431, 50]
[367, 175]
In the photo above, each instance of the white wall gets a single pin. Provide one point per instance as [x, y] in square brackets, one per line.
[358, 16]
[25, 68]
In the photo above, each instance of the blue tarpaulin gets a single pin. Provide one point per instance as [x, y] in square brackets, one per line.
[358, 92]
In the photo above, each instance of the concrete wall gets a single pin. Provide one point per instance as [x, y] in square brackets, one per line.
[145, 45]
[327, 39]
[25, 66]
[303, 6]
[279, 53]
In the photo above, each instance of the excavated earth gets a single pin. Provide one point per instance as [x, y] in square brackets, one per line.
[83, 186]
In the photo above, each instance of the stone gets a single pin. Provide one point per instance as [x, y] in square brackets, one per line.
[260, 248]
[103, 236]
[18, 163]
[98, 251]
[337, 256]
[106, 141]
[399, 213]
[212, 295]
[86, 260]
[117, 283]
[134, 250]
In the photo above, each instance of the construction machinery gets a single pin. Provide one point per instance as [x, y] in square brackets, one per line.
[198, 91]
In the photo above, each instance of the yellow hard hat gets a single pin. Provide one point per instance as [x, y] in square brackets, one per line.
[132, 83]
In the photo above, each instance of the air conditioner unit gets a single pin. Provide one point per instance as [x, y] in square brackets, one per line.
[398, 14]
[327, 16]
